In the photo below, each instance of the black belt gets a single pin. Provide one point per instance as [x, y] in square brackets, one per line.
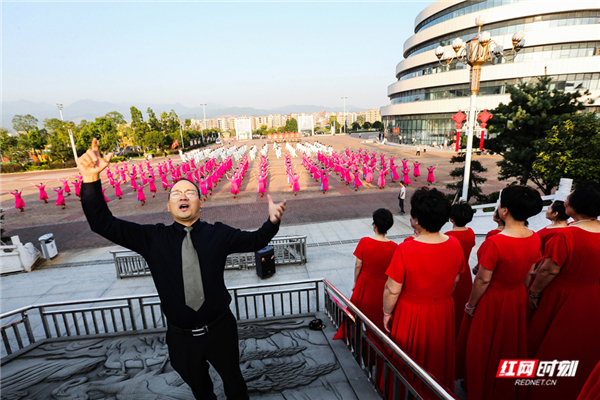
[198, 331]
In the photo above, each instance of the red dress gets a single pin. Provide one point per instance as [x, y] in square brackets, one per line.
[498, 328]
[368, 291]
[462, 292]
[545, 235]
[492, 233]
[566, 325]
[423, 320]
[591, 389]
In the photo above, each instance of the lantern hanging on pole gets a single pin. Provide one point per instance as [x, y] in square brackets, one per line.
[459, 118]
[483, 118]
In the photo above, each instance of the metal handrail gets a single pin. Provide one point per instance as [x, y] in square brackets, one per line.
[413, 365]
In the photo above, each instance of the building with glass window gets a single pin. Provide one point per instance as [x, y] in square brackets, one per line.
[562, 41]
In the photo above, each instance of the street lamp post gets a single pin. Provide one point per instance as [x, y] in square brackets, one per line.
[60, 107]
[205, 127]
[345, 129]
[475, 53]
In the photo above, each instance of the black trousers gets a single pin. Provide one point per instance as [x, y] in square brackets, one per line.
[401, 204]
[190, 356]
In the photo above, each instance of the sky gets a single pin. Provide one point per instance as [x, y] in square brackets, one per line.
[238, 54]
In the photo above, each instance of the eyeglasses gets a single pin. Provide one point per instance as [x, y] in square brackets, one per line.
[190, 194]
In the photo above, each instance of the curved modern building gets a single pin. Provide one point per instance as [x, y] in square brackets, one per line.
[562, 41]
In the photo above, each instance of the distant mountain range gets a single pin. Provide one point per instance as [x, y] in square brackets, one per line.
[90, 109]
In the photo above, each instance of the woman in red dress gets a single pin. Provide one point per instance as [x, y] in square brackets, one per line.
[566, 324]
[460, 216]
[558, 216]
[499, 228]
[373, 256]
[417, 301]
[497, 329]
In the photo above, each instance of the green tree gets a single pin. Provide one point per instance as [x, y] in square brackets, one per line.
[138, 126]
[115, 117]
[153, 122]
[261, 131]
[291, 125]
[24, 123]
[360, 119]
[333, 120]
[367, 125]
[37, 139]
[570, 150]
[532, 111]
[187, 122]
[8, 144]
[355, 126]
[58, 138]
[377, 125]
[475, 180]
[156, 140]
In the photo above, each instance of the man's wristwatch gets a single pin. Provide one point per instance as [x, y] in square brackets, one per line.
[534, 297]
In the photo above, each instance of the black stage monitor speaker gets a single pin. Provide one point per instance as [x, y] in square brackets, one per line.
[265, 262]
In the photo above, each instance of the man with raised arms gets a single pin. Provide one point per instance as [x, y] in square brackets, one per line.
[187, 260]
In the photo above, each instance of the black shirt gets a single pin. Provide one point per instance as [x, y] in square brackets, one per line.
[160, 245]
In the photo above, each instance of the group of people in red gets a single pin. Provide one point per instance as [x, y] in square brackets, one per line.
[350, 165]
[534, 295]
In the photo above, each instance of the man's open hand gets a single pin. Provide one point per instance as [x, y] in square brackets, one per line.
[91, 163]
[275, 210]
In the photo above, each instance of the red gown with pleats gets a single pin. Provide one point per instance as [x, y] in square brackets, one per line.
[591, 389]
[465, 284]
[367, 295]
[498, 328]
[566, 325]
[423, 320]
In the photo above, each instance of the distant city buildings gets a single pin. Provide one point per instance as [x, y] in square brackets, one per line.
[275, 121]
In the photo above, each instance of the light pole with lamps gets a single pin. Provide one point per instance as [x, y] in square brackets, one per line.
[204, 111]
[476, 52]
[345, 129]
[60, 107]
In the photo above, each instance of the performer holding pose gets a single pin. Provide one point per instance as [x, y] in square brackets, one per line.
[19, 203]
[187, 261]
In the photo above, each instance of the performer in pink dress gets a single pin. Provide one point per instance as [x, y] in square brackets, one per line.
[406, 178]
[381, 181]
[77, 184]
[395, 175]
[19, 203]
[42, 189]
[296, 184]
[140, 194]
[60, 200]
[370, 176]
[151, 181]
[118, 192]
[235, 189]
[416, 171]
[325, 181]
[357, 182]
[430, 177]
[65, 183]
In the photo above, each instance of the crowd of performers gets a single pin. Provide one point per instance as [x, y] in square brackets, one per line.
[208, 167]
[531, 309]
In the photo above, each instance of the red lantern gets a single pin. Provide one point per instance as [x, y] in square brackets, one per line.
[483, 118]
[459, 118]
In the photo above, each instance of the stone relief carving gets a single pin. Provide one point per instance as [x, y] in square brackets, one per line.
[279, 357]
